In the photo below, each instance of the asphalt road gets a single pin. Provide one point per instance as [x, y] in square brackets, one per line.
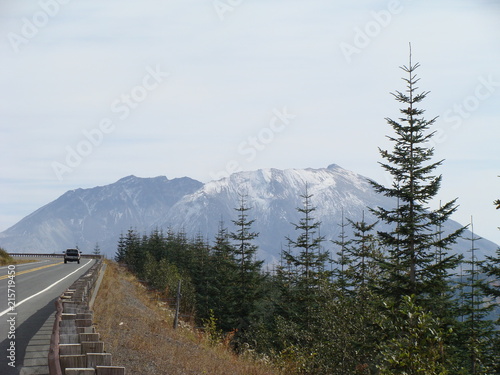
[27, 295]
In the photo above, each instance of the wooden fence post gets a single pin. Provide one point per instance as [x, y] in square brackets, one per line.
[177, 305]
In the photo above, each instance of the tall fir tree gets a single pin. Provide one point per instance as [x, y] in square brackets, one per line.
[155, 244]
[476, 331]
[223, 280]
[308, 275]
[362, 273]
[311, 260]
[417, 348]
[491, 267]
[134, 258]
[97, 249]
[121, 249]
[201, 272]
[176, 245]
[411, 267]
[342, 260]
[364, 256]
[249, 278]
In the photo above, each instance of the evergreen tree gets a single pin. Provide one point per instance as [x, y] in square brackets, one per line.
[476, 331]
[363, 255]
[342, 261]
[134, 257]
[310, 260]
[321, 327]
[201, 272]
[223, 281]
[243, 237]
[308, 263]
[155, 244]
[304, 284]
[362, 273]
[248, 280]
[411, 267]
[121, 249]
[97, 249]
[176, 244]
[491, 267]
[418, 346]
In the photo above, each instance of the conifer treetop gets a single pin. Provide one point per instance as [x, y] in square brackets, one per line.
[417, 231]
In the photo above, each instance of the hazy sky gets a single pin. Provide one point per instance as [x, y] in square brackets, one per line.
[92, 91]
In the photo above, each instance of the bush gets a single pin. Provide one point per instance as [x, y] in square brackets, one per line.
[5, 258]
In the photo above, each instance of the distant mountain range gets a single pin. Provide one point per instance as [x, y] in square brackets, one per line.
[85, 217]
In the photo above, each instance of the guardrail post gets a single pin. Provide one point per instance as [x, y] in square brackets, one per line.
[53, 357]
[75, 346]
[73, 361]
[177, 305]
[110, 370]
[80, 371]
[98, 359]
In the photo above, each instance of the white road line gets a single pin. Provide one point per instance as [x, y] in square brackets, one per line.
[42, 291]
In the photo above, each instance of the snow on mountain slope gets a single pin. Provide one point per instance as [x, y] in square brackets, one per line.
[274, 196]
[101, 214]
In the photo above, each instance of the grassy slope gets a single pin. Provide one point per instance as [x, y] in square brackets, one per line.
[138, 332]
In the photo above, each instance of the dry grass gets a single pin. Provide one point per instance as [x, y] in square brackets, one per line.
[6, 259]
[138, 332]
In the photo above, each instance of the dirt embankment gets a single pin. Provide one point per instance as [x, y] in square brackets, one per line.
[138, 332]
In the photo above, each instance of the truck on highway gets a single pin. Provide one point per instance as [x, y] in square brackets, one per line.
[72, 255]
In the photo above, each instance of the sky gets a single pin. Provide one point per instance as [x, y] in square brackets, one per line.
[94, 91]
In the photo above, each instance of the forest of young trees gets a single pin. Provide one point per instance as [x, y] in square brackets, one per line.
[380, 302]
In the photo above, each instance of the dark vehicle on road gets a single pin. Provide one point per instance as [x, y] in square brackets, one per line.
[72, 255]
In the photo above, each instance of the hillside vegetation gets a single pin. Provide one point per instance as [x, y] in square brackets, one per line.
[382, 301]
[137, 329]
[5, 258]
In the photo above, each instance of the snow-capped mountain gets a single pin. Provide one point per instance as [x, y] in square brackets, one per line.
[85, 216]
[274, 196]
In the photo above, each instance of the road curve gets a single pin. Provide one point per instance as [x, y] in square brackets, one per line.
[27, 295]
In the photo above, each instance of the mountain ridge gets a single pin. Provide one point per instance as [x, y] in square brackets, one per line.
[101, 214]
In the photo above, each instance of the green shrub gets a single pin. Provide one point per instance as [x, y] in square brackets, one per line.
[5, 258]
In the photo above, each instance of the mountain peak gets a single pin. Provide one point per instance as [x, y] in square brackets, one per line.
[127, 179]
[133, 178]
[101, 214]
[334, 167]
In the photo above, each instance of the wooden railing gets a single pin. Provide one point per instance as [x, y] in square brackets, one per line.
[75, 346]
